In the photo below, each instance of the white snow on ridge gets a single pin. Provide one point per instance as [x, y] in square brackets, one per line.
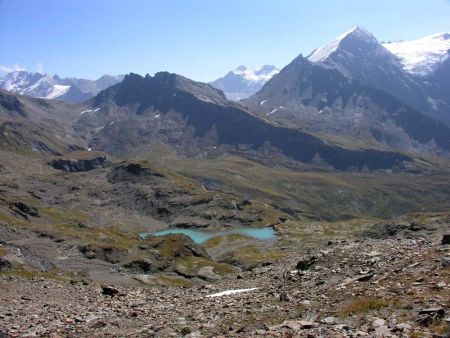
[230, 292]
[423, 56]
[56, 91]
[324, 52]
[37, 85]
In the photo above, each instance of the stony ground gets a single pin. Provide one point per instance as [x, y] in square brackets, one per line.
[367, 288]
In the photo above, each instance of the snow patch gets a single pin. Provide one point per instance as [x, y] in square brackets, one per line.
[89, 110]
[230, 292]
[275, 110]
[262, 102]
[423, 56]
[57, 91]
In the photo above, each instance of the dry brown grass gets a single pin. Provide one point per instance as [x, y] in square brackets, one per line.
[441, 328]
[363, 304]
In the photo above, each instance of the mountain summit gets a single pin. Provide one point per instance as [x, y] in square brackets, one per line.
[355, 36]
[357, 54]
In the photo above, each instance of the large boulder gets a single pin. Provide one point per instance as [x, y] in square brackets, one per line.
[133, 171]
[108, 254]
[175, 245]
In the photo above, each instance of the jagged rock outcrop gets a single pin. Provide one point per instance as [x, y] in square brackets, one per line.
[79, 164]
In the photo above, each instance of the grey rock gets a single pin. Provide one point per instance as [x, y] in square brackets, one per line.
[430, 315]
[306, 263]
[79, 165]
[284, 297]
[446, 239]
[364, 278]
[330, 320]
[109, 291]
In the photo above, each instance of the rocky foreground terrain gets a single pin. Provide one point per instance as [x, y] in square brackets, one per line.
[392, 281]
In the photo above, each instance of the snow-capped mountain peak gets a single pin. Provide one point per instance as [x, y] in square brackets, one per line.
[423, 56]
[261, 74]
[356, 33]
[242, 82]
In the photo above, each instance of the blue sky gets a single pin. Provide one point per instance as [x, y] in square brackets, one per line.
[201, 39]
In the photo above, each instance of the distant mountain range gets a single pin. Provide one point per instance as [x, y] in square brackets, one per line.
[243, 82]
[346, 98]
[142, 114]
[54, 87]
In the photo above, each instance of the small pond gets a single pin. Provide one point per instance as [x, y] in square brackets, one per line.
[199, 237]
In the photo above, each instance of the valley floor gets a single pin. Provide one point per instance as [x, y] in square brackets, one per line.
[361, 288]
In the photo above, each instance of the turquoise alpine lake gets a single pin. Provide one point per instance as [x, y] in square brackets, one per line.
[199, 237]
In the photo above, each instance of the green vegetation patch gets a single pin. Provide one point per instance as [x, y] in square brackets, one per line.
[225, 240]
[163, 280]
[192, 265]
[252, 256]
[22, 272]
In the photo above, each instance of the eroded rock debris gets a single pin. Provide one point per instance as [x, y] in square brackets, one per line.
[363, 288]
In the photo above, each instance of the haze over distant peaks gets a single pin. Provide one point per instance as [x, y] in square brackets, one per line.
[53, 87]
[261, 74]
[243, 82]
